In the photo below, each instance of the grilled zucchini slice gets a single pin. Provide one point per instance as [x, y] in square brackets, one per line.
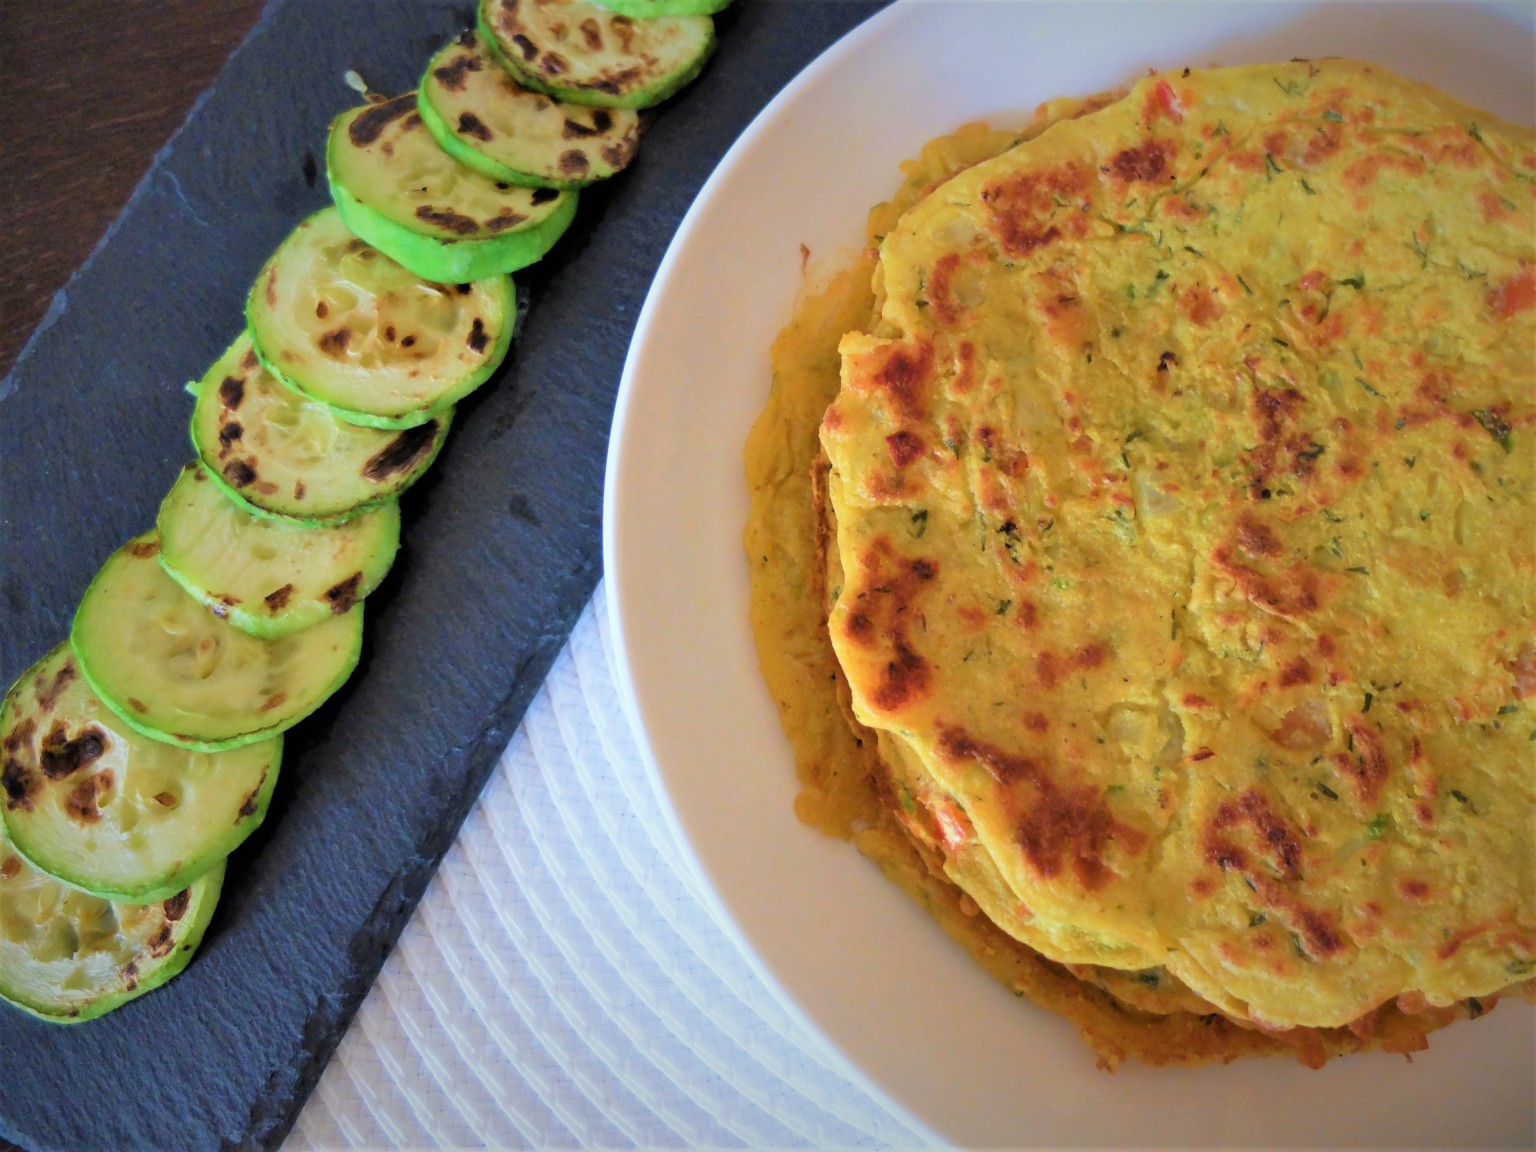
[398, 190]
[650, 9]
[111, 812]
[266, 576]
[484, 118]
[340, 322]
[587, 54]
[67, 956]
[176, 672]
[277, 453]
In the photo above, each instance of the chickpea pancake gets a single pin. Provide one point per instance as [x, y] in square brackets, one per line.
[914, 834]
[1185, 511]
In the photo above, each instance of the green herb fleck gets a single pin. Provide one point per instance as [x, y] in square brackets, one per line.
[1327, 791]
[1330, 114]
[1378, 826]
[1307, 188]
[919, 523]
[1221, 129]
[1368, 699]
[1496, 426]
[1271, 169]
[1256, 919]
[1003, 606]
[1474, 133]
[1244, 283]
[1360, 380]
[1361, 571]
[1509, 709]
[1355, 282]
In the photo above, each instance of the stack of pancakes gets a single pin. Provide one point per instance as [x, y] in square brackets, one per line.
[1144, 557]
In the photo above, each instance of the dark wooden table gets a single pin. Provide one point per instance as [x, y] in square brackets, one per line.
[89, 91]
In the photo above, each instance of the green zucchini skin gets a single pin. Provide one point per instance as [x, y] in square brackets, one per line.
[650, 9]
[480, 115]
[67, 957]
[447, 223]
[342, 324]
[525, 38]
[174, 671]
[276, 453]
[270, 577]
[113, 813]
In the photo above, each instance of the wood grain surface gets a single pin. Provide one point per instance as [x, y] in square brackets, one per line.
[89, 91]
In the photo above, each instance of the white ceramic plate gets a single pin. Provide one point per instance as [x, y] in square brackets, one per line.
[874, 974]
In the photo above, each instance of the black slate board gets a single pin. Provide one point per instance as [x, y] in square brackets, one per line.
[501, 549]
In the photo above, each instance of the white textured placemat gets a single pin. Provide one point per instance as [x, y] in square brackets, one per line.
[563, 982]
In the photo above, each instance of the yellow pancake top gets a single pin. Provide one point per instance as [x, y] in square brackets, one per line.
[1186, 510]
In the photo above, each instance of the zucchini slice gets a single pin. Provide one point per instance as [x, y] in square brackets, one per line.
[337, 320]
[277, 453]
[650, 9]
[486, 119]
[266, 576]
[67, 956]
[588, 54]
[174, 671]
[116, 814]
[398, 190]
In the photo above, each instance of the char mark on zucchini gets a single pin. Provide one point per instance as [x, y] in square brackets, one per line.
[401, 453]
[368, 127]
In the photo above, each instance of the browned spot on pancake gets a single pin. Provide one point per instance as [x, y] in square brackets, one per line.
[1037, 722]
[342, 595]
[553, 64]
[276, 700]
[1513, 294]
[447, 219]
[574, 163]
[618, 155]
[271, 292]
[84, 799]
[137, 705]
[61, 756]
[1293, 592]
[1276, 839]
[1029, 615]
[1090, 655]
[231, 392]
[176, 906]
[939, 286]
[904, 447]
[1363, 172]
[1201, 305]
[10, 867]
[906, 675]
[472, 125]
[165, 800]
[1048, 669]
[902, 372]
[298, 489]
[1412, 889]
[230, 434]
[1256, 539]
[366, 128]
[276, 601]
[143, 549]
[1057, 825]
[1023, 207]
[882, 593]
[591, 34]
[1146, 163]
[402, 453]
[1324, 141]
[526, 47]
[1298, 671]
[1365, 766]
